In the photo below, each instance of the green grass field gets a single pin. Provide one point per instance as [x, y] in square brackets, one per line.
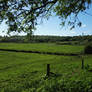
[43, 47]
[26, 72]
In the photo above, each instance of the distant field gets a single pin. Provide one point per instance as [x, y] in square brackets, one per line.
[25, 72]
[43, 47]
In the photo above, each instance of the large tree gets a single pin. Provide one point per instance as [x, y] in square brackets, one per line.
[24, 15]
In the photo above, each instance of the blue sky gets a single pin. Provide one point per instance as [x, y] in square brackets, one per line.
[52, 27]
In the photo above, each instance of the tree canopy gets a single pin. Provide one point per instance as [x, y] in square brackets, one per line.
[24, 15]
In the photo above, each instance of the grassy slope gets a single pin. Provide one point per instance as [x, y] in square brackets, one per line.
[20, 72]
[43, 47]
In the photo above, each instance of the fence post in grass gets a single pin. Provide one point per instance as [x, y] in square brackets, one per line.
[82, 63]
[48, 69]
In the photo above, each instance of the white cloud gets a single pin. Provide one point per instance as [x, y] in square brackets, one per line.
[83, 26]
[73, 32]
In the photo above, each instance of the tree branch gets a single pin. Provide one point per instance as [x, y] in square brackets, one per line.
[50, 2]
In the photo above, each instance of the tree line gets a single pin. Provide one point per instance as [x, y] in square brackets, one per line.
[46, 39]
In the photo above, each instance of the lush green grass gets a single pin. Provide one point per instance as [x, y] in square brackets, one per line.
[25, 72]
[43, 47]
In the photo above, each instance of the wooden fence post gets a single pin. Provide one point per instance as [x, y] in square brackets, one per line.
[82, 63]
[48, 69]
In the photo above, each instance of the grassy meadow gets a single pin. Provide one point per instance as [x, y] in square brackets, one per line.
[26, 72]
[43, 47]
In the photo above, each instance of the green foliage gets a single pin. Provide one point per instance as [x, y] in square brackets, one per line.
[24, 15]
[88, 49]
[60, 40]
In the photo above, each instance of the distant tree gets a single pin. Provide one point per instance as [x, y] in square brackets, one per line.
[29, 36]
[88, 49]
[23, 15]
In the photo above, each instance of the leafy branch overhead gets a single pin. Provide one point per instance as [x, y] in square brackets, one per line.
[23, 15]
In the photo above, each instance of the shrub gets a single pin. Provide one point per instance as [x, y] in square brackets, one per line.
[88, 49]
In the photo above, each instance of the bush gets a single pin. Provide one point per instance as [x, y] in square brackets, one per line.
[88, 49]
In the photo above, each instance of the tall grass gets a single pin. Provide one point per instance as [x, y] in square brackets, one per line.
[22, 72]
